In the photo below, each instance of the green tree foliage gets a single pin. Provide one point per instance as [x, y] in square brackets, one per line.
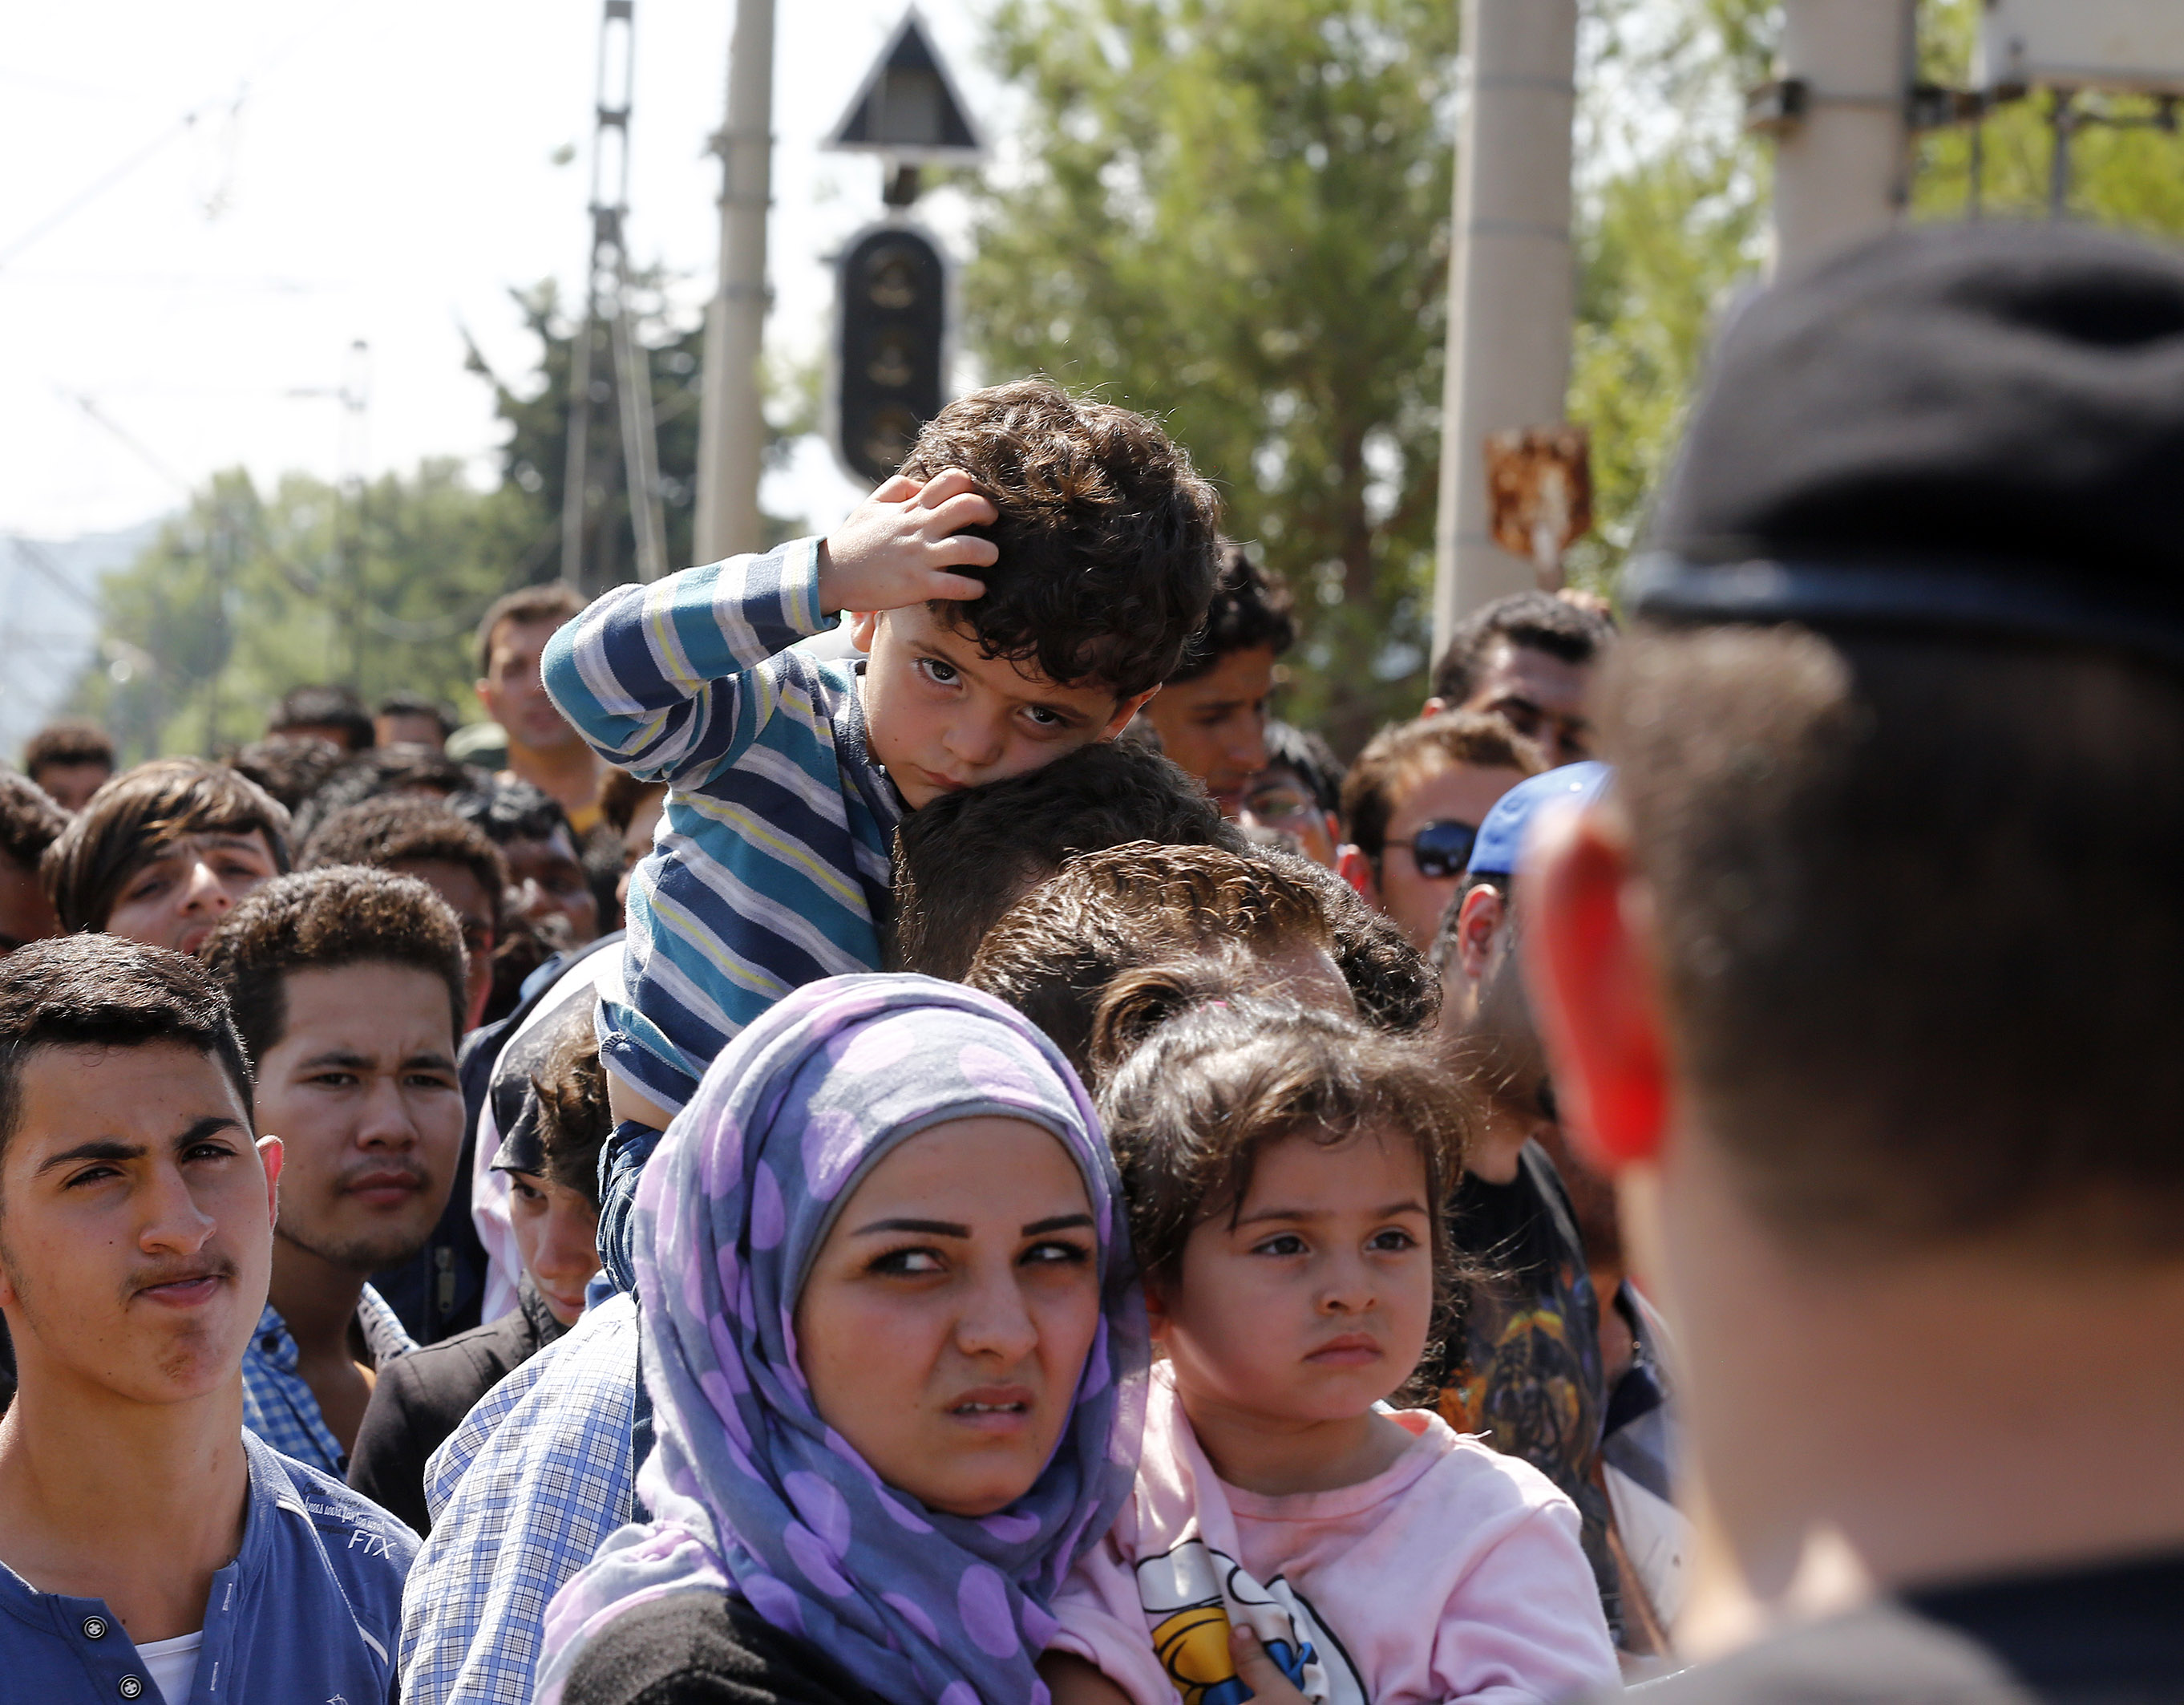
[1671, 221]
[1673, 208]
[537, 409]
[1234, 215]
[247, 594]
[2126, 161]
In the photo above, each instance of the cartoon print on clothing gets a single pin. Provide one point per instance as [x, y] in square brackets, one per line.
[1193, 1595]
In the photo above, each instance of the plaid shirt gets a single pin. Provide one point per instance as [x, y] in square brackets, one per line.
[521, 1494]
[278, 1406]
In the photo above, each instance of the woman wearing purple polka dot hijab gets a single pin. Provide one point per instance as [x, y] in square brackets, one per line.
[897, 1357]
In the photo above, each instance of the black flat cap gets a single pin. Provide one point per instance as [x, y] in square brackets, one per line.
[1967, 428]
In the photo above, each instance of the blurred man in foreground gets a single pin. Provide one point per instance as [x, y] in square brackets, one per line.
[1868, 973]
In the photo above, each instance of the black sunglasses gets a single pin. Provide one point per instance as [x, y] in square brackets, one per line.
[1442, 848]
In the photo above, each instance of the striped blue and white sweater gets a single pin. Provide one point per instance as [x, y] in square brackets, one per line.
[769, 869]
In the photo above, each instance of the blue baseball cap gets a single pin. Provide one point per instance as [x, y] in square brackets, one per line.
[1502, 835]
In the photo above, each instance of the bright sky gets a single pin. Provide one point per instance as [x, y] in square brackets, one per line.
[382, 172]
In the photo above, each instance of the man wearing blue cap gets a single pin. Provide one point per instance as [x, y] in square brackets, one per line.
[1868, 978]
[1527, 1369]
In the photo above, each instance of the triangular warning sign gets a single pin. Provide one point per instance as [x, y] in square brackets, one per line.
[908, 108]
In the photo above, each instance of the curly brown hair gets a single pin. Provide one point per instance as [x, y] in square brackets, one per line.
[1107, 534]
[1054, 954]
[573, 1118]
[403, 829]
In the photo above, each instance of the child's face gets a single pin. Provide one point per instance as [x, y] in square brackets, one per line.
[1313, 1302]
[943, 715]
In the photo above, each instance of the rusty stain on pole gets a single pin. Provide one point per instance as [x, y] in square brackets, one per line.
[1539, 494]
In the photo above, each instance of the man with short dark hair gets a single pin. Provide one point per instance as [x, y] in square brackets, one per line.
[1298, 796]
[71, 760]
[30, 823]
[346, 986]
[968, 856]
[1527, 658]
[1211, 714]
[1868, 975]
[153, 1548]
[439, 1290]
[1412, 806]
[543, 748]
[546, 882]
[291, 767]
[412, 719]
[416, 836]
[332, 713]
[165, 851]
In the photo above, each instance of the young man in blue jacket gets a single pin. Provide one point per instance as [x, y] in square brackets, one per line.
[150, 1548]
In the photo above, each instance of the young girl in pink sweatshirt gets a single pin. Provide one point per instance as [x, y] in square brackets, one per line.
[1288, 1534]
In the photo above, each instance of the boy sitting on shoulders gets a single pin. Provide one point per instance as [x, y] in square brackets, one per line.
[1018, 592]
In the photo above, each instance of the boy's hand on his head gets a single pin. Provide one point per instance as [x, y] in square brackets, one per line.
[900, 545]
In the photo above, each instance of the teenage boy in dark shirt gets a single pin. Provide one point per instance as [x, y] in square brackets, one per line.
[146, 1538]
[1868, 975]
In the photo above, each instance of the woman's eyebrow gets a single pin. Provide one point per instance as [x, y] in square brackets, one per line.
[1059, 1222]
[931, 1228]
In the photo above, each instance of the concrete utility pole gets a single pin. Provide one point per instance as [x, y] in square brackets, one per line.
[1843, 162]
[1511, 289]
[731, 429]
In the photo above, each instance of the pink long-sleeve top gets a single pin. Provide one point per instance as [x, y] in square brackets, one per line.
[1455, 1573]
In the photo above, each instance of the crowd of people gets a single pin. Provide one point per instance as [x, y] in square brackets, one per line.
[881, 1130]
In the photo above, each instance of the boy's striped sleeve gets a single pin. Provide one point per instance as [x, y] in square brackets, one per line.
[662, 679]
